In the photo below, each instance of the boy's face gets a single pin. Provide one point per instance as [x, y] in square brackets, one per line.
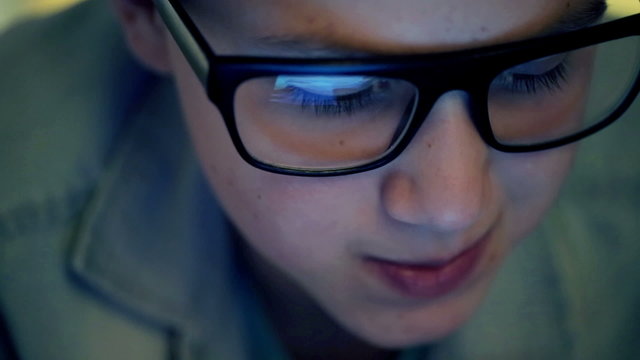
[448, 204]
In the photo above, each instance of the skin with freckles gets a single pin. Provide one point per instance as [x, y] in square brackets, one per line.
[309, 238]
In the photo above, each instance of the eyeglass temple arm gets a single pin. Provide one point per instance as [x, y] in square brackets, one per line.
[184, 38]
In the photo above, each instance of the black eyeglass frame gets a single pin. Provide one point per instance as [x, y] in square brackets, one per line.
[433, 74]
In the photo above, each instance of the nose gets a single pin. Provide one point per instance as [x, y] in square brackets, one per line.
[442, 179]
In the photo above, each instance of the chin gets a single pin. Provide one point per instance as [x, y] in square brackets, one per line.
[419, 324]
[403, 339]
[412, 328]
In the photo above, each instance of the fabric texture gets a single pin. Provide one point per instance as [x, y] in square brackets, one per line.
[113, 247]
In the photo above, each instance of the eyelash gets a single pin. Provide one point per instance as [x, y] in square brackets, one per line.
[334, 106]
[551, 80]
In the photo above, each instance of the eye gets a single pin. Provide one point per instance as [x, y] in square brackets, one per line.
[325, 85]
[545, 74]
[332, 95]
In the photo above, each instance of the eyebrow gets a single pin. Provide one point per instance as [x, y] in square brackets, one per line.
[585, 15]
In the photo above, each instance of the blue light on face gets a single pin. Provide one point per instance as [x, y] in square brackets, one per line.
[324, 85]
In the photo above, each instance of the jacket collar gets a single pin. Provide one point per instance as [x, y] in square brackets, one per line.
[154, 240]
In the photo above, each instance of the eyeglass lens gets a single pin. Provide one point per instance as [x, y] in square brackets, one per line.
[322, 121]
[563, 94]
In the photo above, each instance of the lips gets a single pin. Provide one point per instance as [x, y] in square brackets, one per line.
[431, 279]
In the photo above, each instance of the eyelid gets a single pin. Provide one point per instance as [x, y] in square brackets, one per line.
[539, 66]
[323, 85]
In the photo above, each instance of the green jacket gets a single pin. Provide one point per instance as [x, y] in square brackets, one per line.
[112, 247]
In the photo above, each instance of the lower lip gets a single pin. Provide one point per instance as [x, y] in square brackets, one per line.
[427, 281]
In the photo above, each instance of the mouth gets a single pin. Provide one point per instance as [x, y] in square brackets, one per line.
[429, 279]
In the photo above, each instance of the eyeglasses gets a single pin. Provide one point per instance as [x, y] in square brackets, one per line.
[337, 116]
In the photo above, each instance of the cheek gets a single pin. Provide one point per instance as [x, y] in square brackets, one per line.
[238, 187]
[299, 222]
[292, 221]
[531, 183]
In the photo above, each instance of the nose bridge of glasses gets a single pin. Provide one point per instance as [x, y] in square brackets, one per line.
[432, 86]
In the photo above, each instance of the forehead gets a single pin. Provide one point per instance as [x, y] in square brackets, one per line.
[386, 25]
